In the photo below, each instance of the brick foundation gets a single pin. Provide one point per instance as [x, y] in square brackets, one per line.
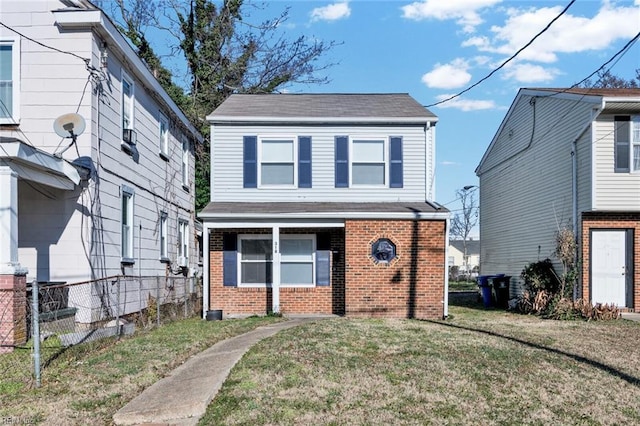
[13, 311]
[410, 286]
[611, 221]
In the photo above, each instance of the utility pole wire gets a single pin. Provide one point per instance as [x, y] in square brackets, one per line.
[507, 61]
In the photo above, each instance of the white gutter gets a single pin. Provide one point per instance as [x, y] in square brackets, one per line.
[336, 216]
[222, 119]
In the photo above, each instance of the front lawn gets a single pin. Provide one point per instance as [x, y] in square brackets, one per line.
[478, 367]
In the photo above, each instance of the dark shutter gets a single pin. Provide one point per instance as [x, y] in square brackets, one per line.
[250, 162]
[342, 162]
[323, 259]
[304, 162]
[230, 260]
[395, 167]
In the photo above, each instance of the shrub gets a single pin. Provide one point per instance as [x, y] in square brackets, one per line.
[539, 276]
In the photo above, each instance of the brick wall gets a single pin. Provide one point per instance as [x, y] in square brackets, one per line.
[258, 301]
[410, 286]
[13, 311]
[611, 221]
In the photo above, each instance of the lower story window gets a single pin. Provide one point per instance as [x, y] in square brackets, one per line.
[297, 256]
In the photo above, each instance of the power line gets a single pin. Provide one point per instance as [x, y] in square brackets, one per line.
[508, 60]
[86, 61]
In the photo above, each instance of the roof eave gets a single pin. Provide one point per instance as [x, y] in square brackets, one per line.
[216, 119]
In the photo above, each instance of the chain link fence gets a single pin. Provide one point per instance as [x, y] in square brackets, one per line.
[59, 315]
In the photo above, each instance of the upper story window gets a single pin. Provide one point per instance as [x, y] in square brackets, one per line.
[368, 161]
[277, 162]
[185, 162]
[9, 80]
[127, 104]
[163, 130]
[126, 222]
[626, 143]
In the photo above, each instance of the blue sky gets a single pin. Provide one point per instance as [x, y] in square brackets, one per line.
[435, 48]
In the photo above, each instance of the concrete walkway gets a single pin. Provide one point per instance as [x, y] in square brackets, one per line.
[633, 316]
[183, 397]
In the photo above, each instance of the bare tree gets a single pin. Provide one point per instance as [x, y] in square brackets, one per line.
[464, 221]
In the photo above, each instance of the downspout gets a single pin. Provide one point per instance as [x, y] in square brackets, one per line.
[446, 268]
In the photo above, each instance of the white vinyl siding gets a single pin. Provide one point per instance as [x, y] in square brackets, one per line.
[612, 190]
[226, 164]
[9, 80]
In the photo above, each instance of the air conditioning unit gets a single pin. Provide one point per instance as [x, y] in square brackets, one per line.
[183, 261]
[129, 136]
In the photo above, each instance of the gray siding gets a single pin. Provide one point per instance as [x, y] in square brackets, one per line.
[226, 154]
[525, 181]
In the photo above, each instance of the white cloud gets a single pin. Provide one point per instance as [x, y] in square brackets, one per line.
[465, 104]
[465, 12]
[569, 34]
[449, 163]
[448, 76]
[529, 73]
[332, 12]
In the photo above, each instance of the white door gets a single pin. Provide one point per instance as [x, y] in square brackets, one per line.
[608, 276]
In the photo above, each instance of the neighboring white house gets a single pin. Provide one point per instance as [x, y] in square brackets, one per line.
[323, 204]
[470, 265]
[566, 158]
[120, 200]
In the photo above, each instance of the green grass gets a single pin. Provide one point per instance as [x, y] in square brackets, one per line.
[88, 383]
[478, 367]
[463, 286]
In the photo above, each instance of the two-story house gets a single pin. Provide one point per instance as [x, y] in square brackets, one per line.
[566, 158]
[321, 204]
[465, 257]
[114, 196]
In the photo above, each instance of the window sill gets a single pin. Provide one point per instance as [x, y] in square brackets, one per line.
[165, 260]
[186, 188]
[164, 156]
[127, 261]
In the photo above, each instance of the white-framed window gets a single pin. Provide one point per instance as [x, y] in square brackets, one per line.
[183, 239]
[163, 135]
[627, 143]
[297, 260]
[164, 229]
[369, 161]
[9, 80]
[185, 161]
[277, 162]
[127, 102]
[126, 222]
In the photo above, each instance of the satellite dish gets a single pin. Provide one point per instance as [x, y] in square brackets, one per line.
[69, 125]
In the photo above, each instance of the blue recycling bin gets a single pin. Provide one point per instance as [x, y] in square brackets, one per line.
[485, 289]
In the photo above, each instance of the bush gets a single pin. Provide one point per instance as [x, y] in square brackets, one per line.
[556, 307]
[540, 276]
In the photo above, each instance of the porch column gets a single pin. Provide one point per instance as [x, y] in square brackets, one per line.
[13, 280]
[275, 271]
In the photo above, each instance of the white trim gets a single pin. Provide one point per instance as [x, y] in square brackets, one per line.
[129, 193]
[335, 219]
[294, 146]
[222, 119]
[14, 114]
[206, 278]
[266, 223]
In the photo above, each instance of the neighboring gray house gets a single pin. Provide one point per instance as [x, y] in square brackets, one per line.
[120, 200]
[322, 204]
[566, 158]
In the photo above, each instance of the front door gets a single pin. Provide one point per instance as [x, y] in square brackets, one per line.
[608, 267]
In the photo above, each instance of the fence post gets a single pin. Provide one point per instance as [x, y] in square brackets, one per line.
[158, 301]
[35, 316]
[118, 308]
